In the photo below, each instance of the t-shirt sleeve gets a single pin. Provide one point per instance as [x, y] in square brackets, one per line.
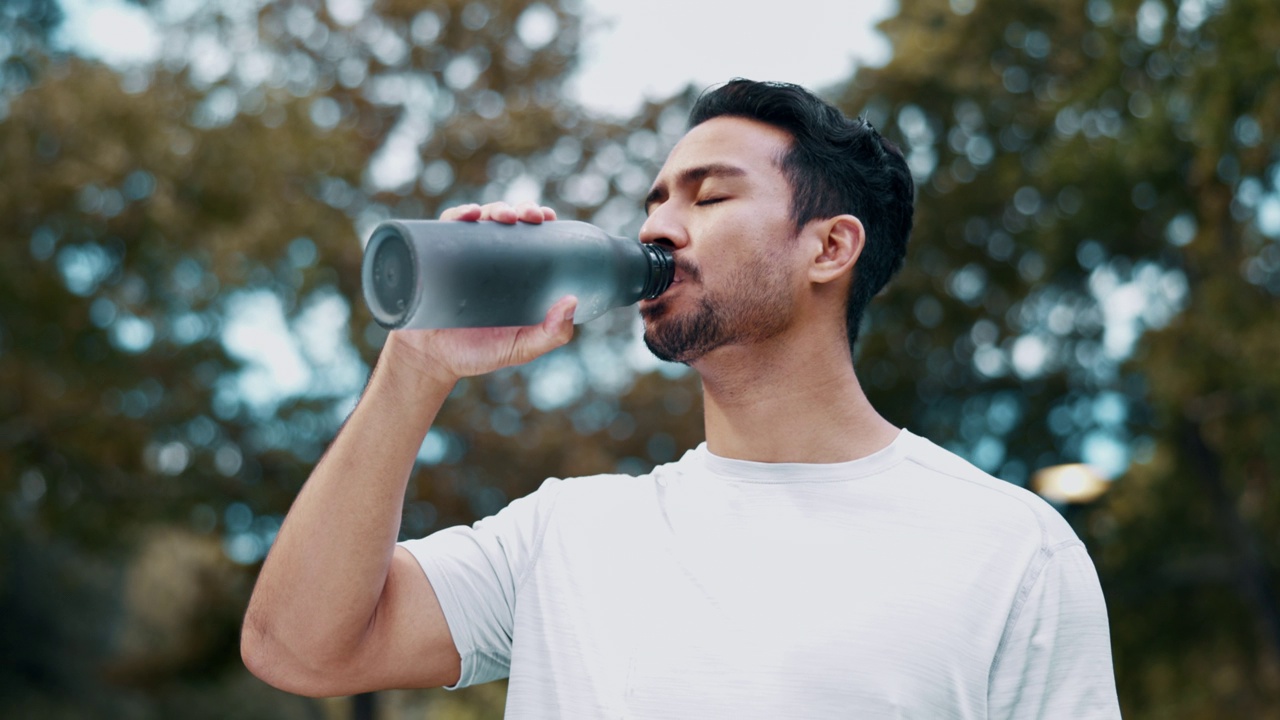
[1055, 658]
[476, 572]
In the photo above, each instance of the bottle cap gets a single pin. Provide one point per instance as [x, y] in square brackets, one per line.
[662, 270]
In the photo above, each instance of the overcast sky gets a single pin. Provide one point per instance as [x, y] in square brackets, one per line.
[632, 51]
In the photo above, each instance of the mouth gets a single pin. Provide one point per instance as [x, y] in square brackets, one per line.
[681, 276]
[679, 279]
[684, 273]
[654, 307]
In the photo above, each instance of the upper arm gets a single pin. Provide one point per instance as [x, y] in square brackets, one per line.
[1055, 658]
[408, 643]
[467, 576]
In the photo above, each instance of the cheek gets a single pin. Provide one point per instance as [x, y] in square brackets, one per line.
[736, 245]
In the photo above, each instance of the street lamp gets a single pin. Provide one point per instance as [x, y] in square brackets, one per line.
[1074, 484]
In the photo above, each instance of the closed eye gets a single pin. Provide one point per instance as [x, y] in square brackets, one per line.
[711, 201]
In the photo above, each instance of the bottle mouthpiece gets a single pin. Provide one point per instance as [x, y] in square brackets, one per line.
[662, 270]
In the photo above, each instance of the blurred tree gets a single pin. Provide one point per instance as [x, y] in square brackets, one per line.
[24, 24]
[123, 220]
[1094, 276]
[155, 215]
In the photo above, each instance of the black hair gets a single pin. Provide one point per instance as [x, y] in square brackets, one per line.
[836, 165]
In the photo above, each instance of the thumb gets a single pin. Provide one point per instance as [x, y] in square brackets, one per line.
[555, 330]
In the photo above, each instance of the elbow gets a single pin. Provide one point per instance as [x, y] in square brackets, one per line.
[253, 650]
[268, 660]
[258, 656]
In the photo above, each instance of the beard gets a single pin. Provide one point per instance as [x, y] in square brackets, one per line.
[754, 307]
[684, 338]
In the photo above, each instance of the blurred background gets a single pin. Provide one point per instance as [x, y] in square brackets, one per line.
[185, 185]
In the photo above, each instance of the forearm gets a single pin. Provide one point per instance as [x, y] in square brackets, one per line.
[322, 581]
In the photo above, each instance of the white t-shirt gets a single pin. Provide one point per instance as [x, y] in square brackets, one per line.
[907, 584]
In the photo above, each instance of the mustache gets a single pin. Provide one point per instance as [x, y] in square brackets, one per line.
[688, 269]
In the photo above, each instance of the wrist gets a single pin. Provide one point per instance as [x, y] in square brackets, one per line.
[409, 367]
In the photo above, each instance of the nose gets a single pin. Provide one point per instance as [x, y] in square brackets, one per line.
[664, 227]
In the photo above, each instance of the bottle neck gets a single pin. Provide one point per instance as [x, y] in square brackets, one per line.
[662, 270]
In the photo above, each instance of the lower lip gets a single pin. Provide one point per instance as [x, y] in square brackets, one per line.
[665, 293]
[652, 304]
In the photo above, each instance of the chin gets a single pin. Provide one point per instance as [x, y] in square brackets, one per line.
[661, 352]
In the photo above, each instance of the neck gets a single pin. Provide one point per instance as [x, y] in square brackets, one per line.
[775, 402]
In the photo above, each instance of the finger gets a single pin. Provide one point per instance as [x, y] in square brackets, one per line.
[562, 311]
[529, 212]
[558, 323]
[498, 212]
[548, 213]
[556, 330]
[462, 212]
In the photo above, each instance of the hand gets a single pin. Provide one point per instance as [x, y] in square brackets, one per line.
[500, 212]
[449, 355]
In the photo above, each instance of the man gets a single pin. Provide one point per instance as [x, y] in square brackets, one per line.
[809, 560]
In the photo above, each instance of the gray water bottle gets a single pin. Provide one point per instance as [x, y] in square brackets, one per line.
[449, 274]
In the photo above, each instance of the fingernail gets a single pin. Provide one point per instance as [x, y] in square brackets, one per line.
[568, 314]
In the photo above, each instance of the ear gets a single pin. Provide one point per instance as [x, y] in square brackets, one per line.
[841, 239]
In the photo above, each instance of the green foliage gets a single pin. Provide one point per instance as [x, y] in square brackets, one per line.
[1094, 270]
[149, 212]
[1075, 157]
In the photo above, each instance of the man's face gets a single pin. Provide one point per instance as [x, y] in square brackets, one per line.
[722, 205]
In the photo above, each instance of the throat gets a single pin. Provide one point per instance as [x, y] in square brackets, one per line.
[803, 419]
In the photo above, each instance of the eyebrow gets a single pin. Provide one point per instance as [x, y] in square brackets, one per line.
[692, 176]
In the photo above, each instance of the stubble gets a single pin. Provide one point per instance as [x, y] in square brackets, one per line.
[753, 307]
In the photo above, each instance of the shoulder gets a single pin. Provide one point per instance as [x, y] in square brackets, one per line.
[951, 479]
[602, 488]
[608, 493]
